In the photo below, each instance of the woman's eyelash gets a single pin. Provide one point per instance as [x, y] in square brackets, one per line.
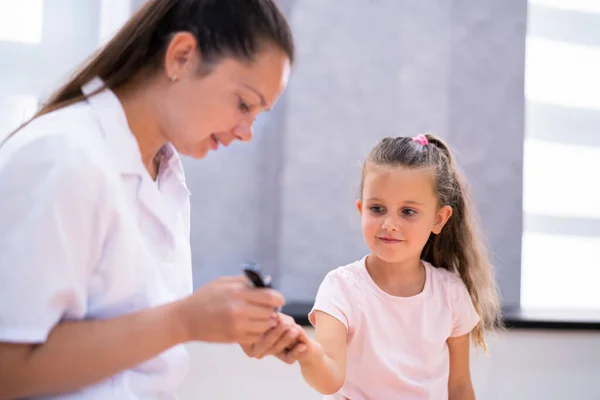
[243, 106]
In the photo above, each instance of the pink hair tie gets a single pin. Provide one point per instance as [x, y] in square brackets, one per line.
[421, 139]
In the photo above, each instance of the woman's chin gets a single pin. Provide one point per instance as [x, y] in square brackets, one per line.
[197, 152]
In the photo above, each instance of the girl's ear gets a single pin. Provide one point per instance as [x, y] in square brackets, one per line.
[443, 215]
[359, 206]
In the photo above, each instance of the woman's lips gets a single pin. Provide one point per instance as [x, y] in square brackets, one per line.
[214, 142]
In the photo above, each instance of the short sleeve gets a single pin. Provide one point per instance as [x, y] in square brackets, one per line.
[51, 224]
[333, 298]
[465, 317]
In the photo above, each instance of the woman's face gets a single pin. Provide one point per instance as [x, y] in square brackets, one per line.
[203, 112]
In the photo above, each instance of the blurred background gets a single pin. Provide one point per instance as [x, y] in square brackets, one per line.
[512, 85]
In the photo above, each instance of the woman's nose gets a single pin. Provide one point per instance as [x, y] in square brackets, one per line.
[243, 132]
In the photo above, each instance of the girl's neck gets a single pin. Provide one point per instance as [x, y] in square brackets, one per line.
[402, 279]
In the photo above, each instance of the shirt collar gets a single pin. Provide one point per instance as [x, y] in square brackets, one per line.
[121, 140]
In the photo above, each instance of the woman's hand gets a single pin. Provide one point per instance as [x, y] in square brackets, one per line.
[77, 354]
[280, 341]
[227, 310]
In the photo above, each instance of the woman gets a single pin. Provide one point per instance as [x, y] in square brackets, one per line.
[95, 260]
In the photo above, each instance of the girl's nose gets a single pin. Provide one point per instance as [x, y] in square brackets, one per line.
[390, 223]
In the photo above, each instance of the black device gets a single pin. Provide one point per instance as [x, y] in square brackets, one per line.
[256, 277]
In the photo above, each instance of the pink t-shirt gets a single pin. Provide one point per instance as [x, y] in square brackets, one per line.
[396, 345]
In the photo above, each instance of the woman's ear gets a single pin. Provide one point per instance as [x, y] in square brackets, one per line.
[180, 53]
[443, 215]
[359, 206]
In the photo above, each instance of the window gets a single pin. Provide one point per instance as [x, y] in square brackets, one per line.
[21, 21]
[43, 42]
[561, 186]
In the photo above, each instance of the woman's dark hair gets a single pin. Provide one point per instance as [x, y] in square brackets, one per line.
[459, 246]
[236, 28]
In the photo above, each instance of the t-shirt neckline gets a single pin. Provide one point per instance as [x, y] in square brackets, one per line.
[381, 292]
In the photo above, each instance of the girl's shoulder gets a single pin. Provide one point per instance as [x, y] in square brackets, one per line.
[346, 276]
[339, 294]
[448, 285]
[442, 277]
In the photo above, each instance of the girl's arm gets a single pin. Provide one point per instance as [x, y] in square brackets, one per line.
[323, 364]
[460, 386]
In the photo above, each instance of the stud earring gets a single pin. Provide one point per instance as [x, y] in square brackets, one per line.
[173, 78]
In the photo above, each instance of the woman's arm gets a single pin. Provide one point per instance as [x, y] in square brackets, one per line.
[55, 217]
[78, 354]
[460, 386]
[323, 363]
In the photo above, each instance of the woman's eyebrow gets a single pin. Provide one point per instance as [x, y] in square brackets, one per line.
[263, 103]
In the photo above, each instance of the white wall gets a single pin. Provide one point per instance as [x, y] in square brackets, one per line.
[522, 365]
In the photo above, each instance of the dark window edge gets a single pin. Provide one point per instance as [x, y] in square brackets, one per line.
[514, 318]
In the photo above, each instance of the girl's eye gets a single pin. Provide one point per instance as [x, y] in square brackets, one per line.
[244, 108]
[408, 212]
[376, 209]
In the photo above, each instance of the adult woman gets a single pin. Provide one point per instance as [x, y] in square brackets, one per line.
[94, 227]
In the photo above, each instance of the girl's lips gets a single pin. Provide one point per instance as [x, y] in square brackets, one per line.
[387, 239]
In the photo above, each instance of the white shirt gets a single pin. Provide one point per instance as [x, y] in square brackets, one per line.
[85, 233]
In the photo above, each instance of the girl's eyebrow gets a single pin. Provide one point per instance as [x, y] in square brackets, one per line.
[414, 202]
[408, 202]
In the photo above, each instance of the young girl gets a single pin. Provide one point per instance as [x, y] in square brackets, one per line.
[396, 324]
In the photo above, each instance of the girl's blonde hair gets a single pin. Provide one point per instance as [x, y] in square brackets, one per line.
[459, 247]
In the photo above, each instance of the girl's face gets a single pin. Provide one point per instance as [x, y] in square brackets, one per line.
[399, 210]
[202, 113]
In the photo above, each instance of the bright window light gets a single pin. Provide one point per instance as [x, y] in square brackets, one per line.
[562, 73]
[560, 272]
[586, 6]
[113, 15]
[21, 21]
[558, 179]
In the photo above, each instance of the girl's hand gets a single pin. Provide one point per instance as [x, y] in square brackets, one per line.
[276, 340]
[306, 350]
[287, 341]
